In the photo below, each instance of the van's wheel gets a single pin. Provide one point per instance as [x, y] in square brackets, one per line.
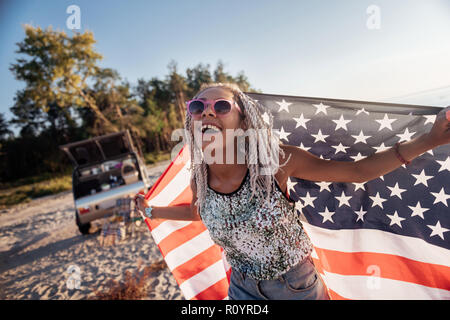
[83, 227]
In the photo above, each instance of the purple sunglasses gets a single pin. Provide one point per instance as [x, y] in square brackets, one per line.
[221, 106]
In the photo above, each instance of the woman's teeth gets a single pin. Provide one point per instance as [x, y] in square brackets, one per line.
[207, 127]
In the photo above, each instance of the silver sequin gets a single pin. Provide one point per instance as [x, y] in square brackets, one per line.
[261, 240]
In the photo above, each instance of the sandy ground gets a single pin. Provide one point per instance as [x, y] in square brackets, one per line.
[40, 241]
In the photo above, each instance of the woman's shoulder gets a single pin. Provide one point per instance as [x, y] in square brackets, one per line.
[285, 162]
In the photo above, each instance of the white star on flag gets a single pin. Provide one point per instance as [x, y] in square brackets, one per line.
[308, 199]
[283, 105]
[382, 147]
[319, 136]
[301, 122]
[321, 108]
[395, 219]
[341, 123]
[430, 119]
[405, 136]
[324, 185]
[360, 214]
[303, 147]
[327, 215]
[361, 138]
[385, 122]
[418, 210]
[441, 197]
[396, 191]
[290, 185]
[358, 157]
[362, 111]
[422, 178]
[283, 134]
[340, 148]
[298, 206]
[377, 200]
[343, 199]
[359, 186]
[437, 230]
[445, 165]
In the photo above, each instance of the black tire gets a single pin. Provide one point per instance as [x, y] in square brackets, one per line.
[83, 227]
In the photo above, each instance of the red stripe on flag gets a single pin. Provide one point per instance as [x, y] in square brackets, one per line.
[153, 223]
[217, 291]
[335, 296]
[197, 264]
[183, 198]
[180, 236]
[390, 267]
[229, 275]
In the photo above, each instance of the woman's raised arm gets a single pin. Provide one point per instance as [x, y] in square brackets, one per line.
[310, 167]
[187, 212]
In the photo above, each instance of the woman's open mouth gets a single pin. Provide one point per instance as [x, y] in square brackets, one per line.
[210, 129]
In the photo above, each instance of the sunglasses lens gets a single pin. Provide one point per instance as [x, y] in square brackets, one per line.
[196, 107]
[222, 107]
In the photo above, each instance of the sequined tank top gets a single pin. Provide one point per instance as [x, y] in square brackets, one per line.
[260, 240]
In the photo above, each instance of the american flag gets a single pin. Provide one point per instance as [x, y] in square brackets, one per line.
[388, 238]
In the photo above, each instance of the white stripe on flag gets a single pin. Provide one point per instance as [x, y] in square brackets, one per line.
[189, 250]
[314, 254]
[173, 189]
[203, 280]
[368, 240]
[166, 228]
[370, 287]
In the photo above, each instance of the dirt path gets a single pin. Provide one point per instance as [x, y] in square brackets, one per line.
[40, 240]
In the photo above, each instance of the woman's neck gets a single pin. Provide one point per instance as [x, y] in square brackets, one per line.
[225, 172]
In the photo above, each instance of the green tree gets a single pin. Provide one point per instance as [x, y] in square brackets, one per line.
[5, 133]
[160, 116]
[4, 128]
[178, 87]
[196, 77]
[220, 75]
[57, 69]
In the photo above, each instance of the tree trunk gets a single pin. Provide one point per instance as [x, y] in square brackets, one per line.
[157, 143]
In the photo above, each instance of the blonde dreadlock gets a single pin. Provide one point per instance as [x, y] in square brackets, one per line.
[257, 156]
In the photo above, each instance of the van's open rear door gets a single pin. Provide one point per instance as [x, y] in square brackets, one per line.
[99, 148]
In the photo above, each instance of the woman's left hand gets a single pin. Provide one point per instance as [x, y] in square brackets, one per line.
[440, 132]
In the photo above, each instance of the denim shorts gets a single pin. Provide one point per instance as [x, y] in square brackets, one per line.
[301, 282]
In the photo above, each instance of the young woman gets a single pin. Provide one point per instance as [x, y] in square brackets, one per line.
[245, 206]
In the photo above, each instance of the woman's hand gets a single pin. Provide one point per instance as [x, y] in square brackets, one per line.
[440, 132]
[140, 203]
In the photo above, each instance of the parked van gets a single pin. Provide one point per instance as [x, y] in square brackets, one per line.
[106, 168]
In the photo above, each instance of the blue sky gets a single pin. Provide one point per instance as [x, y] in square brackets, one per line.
[305, 48]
